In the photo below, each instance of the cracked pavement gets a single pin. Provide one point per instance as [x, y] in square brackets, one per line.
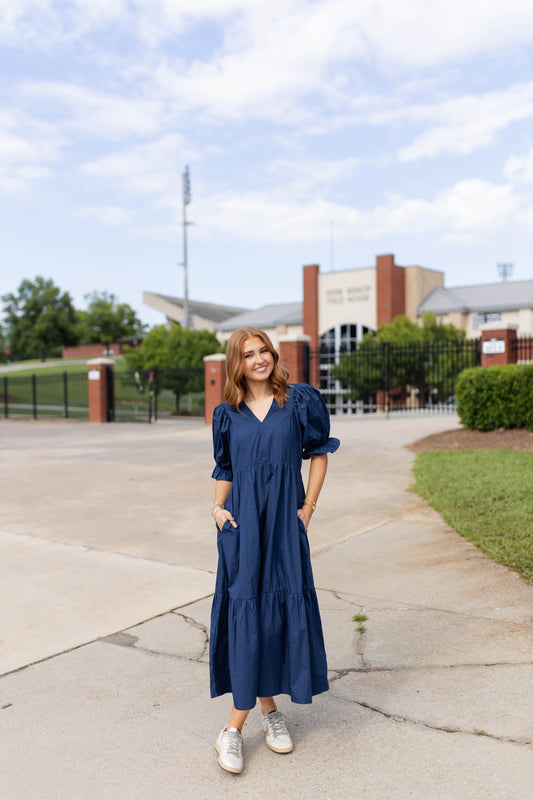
[107, 570]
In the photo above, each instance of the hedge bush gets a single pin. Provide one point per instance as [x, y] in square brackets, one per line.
[496, 397]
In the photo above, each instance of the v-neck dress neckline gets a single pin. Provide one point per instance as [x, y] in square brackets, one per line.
[260, 421]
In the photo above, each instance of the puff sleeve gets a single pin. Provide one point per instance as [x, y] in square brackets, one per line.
[314, 422]
[221, 447]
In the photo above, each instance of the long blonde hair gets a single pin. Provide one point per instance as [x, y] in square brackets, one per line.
[235, 387]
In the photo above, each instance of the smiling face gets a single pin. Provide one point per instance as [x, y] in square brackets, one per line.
[258, 361]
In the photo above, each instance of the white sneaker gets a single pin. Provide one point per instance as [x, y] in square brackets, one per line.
[229, 749]
[277, 736]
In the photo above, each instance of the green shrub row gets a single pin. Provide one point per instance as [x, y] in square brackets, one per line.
[496, 397]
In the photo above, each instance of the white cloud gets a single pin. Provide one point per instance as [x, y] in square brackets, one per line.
[47, 23]
[114, 216]
[468, 122]
[271, 60]
[414, 34]
[420, 33]
[519, 169]
[279, 61]
[469, 208]
[28, 148]
[311, 175]
[100, 114]
[151, 168]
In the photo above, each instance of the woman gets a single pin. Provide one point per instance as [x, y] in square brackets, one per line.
[266, 634]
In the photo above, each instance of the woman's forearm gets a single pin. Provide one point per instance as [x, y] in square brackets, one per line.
[222, 490]
[317, 474]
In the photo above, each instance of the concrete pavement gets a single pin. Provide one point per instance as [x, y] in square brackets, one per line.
[108, 559]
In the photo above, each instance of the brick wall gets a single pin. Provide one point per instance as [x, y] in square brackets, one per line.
[293, 356]
[214, 382]
[97, 389]
[390, 289]
[310, 316]
[97, 350]
[498, 346]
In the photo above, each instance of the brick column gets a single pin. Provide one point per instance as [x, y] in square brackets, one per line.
[310, 323]
[390, 289]
[97, 377]
[214, 381]
[294, 356]
[498, 345]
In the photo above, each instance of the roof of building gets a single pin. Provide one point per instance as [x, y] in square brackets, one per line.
[268, 316]
[211, 311]
[505, 296]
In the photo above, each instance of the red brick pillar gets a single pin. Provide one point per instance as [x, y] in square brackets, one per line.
[214, 381]
[390, 289]
[498, 345]
[310, 323]
[294, 356]
[97, 377]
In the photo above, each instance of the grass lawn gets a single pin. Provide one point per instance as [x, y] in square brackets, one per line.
[487, 497]
[38, 368]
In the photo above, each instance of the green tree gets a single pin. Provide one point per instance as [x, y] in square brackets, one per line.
[107, 321]
[404, 331]
[3, 342]
[39, 319]
[425, 357]
[178, 348]
[173, 346]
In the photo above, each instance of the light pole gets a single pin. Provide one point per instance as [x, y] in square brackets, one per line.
[186, 183]
[505, 268]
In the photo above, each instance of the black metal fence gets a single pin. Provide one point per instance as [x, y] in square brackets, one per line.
[159, 393]
[59, 395]
[373, 377]
[143, 396]
[385, 377]
[523, 349]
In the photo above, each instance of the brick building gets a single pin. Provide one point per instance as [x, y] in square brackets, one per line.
[339, 307]
[365, 298]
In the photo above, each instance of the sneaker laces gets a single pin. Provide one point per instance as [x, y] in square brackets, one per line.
[232, 743]
[276, 723]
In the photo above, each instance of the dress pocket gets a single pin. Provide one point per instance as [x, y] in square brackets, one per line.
[227, 527]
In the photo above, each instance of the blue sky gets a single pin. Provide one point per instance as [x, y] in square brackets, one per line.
[316, 131]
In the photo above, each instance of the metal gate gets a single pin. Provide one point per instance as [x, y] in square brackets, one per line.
[383, 377]
[159, 393]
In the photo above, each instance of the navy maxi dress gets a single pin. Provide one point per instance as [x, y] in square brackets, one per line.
[266, 634]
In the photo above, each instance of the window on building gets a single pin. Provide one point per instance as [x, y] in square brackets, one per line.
[480, 319]
[334, 343]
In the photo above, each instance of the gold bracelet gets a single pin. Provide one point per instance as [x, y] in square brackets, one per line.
[309, 503]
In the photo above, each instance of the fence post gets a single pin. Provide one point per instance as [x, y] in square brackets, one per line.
[34, 394]
[498, 344]
[214, 381]
[293, 355]
[6, 405]
[65, 395]
[98, 388]
[155, 389]
[152, 396]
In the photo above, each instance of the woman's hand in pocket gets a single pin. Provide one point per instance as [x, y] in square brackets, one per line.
[305, 513]
[222, 515]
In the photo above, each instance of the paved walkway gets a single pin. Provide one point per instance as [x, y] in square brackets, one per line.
[108, 559]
